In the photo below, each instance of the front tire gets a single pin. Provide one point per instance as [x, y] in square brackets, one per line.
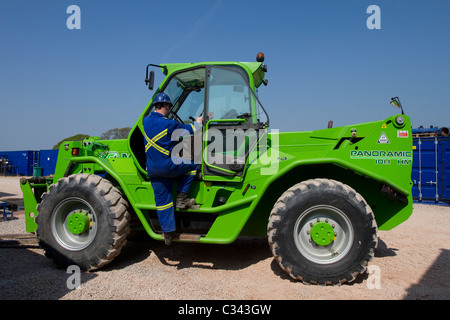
[322, 232]
[82, 220]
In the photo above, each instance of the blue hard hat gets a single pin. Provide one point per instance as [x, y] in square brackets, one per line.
[162, 98]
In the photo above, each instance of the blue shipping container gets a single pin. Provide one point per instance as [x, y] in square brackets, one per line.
[47, 160]
[431, 169]
[27, 160]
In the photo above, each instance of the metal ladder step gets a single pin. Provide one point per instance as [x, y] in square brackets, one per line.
[185, 237]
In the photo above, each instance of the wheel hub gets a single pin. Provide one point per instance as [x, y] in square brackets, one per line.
[322, 233]
[78, 222]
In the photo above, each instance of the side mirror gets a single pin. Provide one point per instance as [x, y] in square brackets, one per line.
[150, 81]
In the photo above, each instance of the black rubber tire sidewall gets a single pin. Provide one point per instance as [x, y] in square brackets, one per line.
[364, 231]
[99, 249]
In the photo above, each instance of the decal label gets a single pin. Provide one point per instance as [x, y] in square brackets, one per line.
[383, 157]
[383, 138]
[402, 134]
[113, 154]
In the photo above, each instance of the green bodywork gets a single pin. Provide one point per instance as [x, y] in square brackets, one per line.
[373, 158]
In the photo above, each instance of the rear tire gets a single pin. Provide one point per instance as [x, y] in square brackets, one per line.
[322, 232]
[104, 225]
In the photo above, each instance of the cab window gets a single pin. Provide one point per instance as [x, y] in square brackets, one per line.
[229, 96]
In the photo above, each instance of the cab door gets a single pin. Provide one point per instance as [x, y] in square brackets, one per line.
[232, 124]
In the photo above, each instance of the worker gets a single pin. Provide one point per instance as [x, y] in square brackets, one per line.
[162, 168]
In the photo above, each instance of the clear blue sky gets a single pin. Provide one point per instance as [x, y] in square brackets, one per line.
[324, 63]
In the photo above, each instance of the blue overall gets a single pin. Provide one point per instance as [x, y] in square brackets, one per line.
[161, 168]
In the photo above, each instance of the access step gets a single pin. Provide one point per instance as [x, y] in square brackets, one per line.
[185, 237]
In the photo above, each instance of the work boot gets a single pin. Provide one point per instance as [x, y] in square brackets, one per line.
[168, 238]
[183, 201]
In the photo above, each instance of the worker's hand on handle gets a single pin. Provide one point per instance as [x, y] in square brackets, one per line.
[200, 120]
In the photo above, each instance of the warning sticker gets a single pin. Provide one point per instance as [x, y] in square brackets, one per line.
[402, 134]
[383, 138]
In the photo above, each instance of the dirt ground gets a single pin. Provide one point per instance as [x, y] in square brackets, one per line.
[412, 262]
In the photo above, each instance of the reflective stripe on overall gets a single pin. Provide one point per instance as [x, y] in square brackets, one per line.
[162, 171]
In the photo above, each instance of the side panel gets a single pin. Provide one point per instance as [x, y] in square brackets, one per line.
[374, 158]
[383, 154]
[445, 169]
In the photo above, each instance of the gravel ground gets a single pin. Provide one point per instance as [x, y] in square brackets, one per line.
[411, 262]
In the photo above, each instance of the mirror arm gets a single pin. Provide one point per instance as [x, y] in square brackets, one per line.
[149, 80]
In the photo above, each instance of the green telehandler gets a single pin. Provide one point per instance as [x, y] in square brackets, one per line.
[318, 196]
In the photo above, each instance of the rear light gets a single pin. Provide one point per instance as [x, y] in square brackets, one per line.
[75, 152]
